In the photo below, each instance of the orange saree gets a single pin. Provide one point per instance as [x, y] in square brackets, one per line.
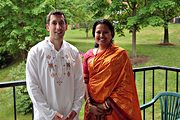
[110, 75]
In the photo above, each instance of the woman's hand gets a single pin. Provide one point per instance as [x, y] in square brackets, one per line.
[95, 110]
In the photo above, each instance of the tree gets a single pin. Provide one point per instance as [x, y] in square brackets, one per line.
[125, 14]
[162, 11]
[83, 15]
[22, 24]
[89, 11]
[135, 14]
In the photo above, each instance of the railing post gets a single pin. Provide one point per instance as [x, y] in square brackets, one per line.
[177, 80]
[144, 94]
[14, 96]
[153, 92]
[166, 76]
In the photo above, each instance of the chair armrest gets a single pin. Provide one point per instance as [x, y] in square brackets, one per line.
[148, 104]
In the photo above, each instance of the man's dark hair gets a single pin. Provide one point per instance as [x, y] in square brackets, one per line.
[55, 12]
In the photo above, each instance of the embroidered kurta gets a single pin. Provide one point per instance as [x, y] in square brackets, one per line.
[110, 75]
[54, 80]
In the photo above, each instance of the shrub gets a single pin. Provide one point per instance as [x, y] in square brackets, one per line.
[5, 59]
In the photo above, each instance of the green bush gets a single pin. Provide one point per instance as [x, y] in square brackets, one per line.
[24, 104]
[5, 59]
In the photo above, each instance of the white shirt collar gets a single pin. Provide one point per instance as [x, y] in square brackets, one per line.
[52, 45]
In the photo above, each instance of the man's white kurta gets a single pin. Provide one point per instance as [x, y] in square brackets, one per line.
[54, 79]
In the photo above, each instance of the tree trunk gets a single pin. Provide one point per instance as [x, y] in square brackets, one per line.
[166, 34]
[87, 30]
[134, 29]
[134, 41]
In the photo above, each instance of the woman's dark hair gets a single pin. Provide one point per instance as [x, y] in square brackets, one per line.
[105, 22]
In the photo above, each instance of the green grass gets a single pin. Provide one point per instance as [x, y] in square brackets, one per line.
[147, 44]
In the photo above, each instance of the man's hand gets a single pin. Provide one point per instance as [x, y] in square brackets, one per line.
[71, 115]
[58, 116]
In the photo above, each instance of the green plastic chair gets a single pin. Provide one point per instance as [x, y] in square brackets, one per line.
[169, 104]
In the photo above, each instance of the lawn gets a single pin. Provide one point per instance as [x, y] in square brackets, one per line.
[148, 40]
[147, 45]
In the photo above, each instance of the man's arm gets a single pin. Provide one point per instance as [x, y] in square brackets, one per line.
[34, 87]
[78, 85]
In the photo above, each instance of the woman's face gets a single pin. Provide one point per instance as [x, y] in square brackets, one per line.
[103, 35]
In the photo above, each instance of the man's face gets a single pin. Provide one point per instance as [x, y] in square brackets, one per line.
[56, 27]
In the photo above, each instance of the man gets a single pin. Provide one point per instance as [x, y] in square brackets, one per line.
[54, 74]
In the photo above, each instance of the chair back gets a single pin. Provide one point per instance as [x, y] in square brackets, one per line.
[170, 105]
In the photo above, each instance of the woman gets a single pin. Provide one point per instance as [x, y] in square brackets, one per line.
[110, 87]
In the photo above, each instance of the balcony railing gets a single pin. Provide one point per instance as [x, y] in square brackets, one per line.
[13, 84]
[144, 74]
[169, 77]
